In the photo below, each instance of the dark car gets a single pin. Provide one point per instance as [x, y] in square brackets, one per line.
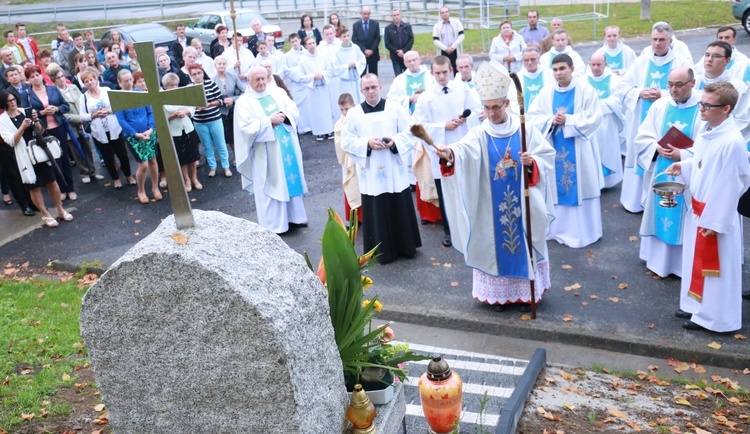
[162, 36]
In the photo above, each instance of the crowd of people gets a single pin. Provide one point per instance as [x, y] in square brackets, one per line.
[620, 118]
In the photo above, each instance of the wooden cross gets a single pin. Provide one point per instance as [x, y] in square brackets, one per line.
[157, 99]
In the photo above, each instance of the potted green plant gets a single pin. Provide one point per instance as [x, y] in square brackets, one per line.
[368, 356]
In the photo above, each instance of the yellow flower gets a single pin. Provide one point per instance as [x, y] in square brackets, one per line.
[378, 306]
[366, 282]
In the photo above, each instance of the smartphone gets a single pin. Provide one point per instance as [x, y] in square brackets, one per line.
[27, 112]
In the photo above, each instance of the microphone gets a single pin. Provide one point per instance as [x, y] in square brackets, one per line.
[465, 114]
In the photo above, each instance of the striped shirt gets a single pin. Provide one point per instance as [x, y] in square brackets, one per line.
[211, 113]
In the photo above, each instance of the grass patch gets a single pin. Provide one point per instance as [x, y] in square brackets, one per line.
[42, 346]
[684, 14]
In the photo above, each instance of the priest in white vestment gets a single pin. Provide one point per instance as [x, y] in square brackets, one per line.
[661, 227]
[560, 46]
[268, 153]
[716, 60]
[376, 136]
[348, 65]
[409, 85]
[717, 175]
[568, 115]
[315, 71]
[610, 133]
[440, 111]
[295, 84]
[727, 34]
[618, 55]
[644, 83]
[483, 181]
[533, 76]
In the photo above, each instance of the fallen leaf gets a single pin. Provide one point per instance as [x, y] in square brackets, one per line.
[6, 381]
[651, 326]
[568, 406]
[633, 238]
[584, 303]
[541, 410]
[575, 286]
[613, 299]
[701, 431]
[617, 413]
[179, 238]
[567, 267]
[544, 388]
[740, 337]
[41, 294]
[699, 369]
[447, 265]
[454, 283]
[26, 371]
[99, 407]
[44, 412]
[567, 317]
[136, 234]
[633, 425]
[684, 402]
[193, 200]
[137, 221]
[550, 380]
[593, 297]
[714, 345]
[525, 317]
[550, 416]
[436, 264]
[746, 371]
[97, 431]
[566, 376]
[653, 367]
[622, 285]
[655, 399]
[27, 416]
[66, 377]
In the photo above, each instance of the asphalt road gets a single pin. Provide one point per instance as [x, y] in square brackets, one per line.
[434, 288]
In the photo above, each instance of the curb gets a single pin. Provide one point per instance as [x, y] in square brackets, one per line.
[513, 408]
[580, 338]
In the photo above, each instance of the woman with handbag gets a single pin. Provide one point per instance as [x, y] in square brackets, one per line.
[17, 131]
[50, 105]
[105, 130]
[139, 129]
[72, 95]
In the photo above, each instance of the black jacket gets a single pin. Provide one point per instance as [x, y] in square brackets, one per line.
[391, 38]
[369, 40]
[175, 51]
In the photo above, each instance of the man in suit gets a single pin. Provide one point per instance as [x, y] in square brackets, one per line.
[78, 48]
[448, 36]
[399, 39]
[180, 44]
[6, 61]
[366, 35]
[252, 41]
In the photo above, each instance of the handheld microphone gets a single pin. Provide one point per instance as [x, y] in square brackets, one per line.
[465, 114]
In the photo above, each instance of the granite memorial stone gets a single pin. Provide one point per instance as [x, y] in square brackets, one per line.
[221, 328]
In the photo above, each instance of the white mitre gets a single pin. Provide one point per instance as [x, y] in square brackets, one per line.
[492, 81]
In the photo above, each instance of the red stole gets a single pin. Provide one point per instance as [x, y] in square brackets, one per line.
[705, 257]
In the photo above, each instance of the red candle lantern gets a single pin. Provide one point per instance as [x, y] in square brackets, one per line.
[440, 392]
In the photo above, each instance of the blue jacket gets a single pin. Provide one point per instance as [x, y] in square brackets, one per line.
[135, 121]
[55, 98]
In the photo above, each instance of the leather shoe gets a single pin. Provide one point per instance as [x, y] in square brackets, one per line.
[689, 325]
[679, 313]
[447, 241]
[525, 308]
[746, 295]
[28, 212]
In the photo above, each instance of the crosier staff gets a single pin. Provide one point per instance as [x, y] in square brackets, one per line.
[519, 95]
[233, 15]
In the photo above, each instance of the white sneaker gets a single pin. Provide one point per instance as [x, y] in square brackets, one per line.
[85, 179]
[98, 177]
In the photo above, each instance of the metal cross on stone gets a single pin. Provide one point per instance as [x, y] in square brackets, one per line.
[157, 99]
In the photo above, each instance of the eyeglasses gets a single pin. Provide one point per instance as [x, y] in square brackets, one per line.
[714, 56]
[11, 100]
[706, 106]
[677, 84]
